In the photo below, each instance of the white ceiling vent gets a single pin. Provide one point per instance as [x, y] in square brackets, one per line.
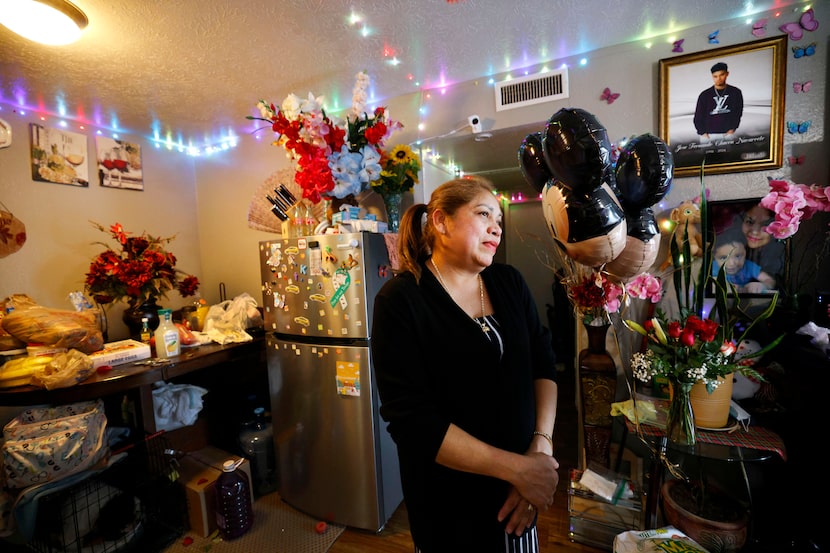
[535, 89]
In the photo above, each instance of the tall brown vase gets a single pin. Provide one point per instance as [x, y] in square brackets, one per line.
[598, 386]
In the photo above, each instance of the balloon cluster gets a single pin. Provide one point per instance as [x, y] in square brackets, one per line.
[598, 212]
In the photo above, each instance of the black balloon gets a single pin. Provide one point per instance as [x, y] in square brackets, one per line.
[642, 224]
[591, 228]
[644, 172]
[532, 161]
[577, 150]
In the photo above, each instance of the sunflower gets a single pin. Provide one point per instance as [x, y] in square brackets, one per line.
[400, 167]
[402, 154]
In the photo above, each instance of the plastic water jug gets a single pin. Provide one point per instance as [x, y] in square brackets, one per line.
[257, 443]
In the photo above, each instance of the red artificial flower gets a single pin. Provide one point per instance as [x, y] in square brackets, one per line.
[673, 331]
[143, 269]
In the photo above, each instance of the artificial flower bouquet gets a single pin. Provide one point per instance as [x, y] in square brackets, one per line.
[400, 171]
[140, 268]
[333, 159]
[593, 295]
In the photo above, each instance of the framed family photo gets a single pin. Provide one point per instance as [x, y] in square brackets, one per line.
[725, 107]
[754, 261]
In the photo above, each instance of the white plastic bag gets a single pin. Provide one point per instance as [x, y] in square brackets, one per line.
[226, 322]
[64, 370]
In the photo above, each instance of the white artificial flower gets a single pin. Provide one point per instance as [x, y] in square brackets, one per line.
[312, 105]
[291, 107]
[264, 109]
[360, 94]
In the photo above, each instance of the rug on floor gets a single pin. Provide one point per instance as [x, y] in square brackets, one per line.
[278, 528]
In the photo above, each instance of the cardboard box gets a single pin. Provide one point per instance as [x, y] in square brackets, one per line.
[118, 353]
[198, 472]
[198, 481]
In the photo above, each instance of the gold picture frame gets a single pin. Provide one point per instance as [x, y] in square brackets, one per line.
[758, 70]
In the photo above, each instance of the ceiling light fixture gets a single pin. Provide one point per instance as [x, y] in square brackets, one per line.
[51, 22]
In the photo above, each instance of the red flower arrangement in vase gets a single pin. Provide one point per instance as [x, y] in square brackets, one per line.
[141, 270]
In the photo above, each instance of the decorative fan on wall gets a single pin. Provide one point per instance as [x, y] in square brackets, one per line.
[12, 232]
[260, 211]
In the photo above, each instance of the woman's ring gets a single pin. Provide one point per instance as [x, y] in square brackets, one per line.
[530, 507]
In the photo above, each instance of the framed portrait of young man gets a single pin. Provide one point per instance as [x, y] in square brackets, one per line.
[724, 108]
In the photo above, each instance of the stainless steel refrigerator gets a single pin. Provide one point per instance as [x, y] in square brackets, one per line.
[335, 459]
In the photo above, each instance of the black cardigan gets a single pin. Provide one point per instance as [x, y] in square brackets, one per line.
[434, 366]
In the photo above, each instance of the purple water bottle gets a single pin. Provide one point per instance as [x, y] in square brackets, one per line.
[234, 512]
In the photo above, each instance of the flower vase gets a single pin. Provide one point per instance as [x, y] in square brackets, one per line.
[598, 388]
[712, 408]
[101, 319]
[134, 314]
[392, 201]
[680, 421]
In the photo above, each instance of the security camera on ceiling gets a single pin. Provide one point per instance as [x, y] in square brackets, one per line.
[475, 123]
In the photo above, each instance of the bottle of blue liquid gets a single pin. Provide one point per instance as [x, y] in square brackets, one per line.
[234, 512]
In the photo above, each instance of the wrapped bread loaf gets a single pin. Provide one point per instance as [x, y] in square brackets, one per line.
[55, 327]
[10, 303]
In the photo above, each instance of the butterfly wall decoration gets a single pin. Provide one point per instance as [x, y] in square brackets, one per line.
[796, 160]
[678, 45]
[609, 96]
[807, 22]
[802, 87]
[759, 28]
[800, 52]
[798, 127]
[713, 37]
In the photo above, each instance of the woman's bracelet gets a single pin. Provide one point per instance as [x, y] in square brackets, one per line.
[548, 437]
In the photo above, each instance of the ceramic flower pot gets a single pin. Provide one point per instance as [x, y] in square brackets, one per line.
[712, 409]
[718, 522]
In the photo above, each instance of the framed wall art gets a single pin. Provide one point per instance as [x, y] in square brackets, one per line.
[119, 164]
[58, 156]
[725, 107]
[755, 262]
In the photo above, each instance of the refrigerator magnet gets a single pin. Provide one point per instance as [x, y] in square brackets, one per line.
[348, 378]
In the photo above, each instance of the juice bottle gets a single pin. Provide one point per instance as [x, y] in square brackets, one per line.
[167, 335]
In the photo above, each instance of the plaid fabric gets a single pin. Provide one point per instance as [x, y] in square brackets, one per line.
[755, 437]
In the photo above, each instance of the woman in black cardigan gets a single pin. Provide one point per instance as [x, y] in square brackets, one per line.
[465, 372]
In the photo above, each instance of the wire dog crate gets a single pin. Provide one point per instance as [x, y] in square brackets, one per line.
[134, 505]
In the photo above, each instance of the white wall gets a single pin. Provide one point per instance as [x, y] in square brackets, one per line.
[205, 200]
[59, 246]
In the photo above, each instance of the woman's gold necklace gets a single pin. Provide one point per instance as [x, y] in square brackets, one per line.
[484, 328]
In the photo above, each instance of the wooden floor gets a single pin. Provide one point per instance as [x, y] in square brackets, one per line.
[553, 525]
